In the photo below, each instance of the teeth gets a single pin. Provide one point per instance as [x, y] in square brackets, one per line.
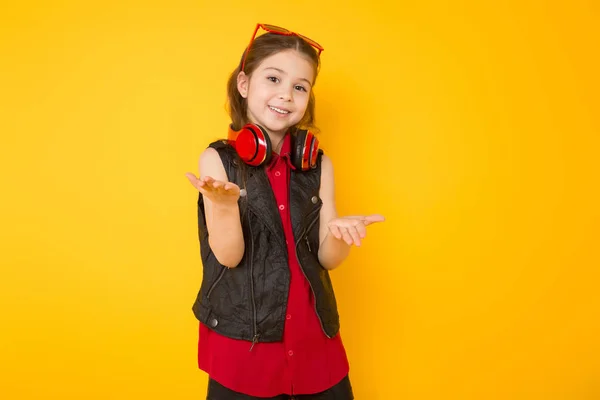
[280, 111]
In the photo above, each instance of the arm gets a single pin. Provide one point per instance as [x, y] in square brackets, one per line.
[332, 251]
[222, 212]
[338, 234]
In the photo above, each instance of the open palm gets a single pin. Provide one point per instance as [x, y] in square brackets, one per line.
[352, 229]
[218, 192]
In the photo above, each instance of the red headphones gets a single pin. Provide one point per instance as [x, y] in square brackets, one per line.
[253, 145]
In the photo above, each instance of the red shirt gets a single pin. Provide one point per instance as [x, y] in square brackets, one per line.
[306, 361]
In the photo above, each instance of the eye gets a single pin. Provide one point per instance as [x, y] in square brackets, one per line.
[301, 88]
[273, 79]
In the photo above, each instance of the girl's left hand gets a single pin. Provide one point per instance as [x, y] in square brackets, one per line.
[352, 229]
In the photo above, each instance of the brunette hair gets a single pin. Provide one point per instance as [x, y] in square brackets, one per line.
[262, 47]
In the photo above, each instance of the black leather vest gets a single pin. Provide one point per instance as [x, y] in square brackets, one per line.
[249, 302]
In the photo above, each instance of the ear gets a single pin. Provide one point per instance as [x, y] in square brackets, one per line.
[242, 84]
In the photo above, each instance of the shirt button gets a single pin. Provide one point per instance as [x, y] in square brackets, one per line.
[281, 207]
[288, 316]
[277, 173]
[290, 353]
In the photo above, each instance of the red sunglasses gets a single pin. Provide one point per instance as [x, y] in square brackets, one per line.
[279, 31]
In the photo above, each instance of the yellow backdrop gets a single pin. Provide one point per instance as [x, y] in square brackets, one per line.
[473, 128]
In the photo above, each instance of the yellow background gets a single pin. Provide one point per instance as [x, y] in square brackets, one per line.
[474, 128]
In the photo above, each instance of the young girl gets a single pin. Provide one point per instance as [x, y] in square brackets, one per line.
[269, 234]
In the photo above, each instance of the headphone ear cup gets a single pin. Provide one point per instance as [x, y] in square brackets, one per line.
[269, 149]
[253, 145]
[313, 151]
[305, 150]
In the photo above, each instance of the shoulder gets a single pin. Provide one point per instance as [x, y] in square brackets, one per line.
[327, 175]
[326, 165]
[210, 164]
[209, 158]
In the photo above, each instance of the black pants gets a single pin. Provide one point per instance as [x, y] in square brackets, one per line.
[341, 391]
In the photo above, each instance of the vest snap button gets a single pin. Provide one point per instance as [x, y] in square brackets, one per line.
[314, 199]
[213, 322]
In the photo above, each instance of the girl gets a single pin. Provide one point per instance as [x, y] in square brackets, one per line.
[269, 234]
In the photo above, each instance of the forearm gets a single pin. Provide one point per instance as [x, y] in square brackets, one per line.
[226, 238]
[332, 252]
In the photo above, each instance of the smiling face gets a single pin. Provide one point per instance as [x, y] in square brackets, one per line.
[278, 91]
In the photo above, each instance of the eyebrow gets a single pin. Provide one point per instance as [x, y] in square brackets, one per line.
[283, 72]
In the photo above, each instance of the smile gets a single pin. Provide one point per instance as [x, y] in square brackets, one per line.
[279, 110]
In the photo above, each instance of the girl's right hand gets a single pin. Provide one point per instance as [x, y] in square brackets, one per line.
[218, 192]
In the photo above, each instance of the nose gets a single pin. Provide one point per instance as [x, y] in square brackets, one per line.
[285, 94]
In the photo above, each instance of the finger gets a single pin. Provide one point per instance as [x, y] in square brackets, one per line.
[231, 191]
[335, 231]
[222, 188]
[208, 179]
[347, 237]
[192, 178]
[231, 187]
[362, 230]
[355, 236]
[203, 189]
[370, 219]
[198, 184]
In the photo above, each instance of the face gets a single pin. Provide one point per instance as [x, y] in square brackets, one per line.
[278, 91]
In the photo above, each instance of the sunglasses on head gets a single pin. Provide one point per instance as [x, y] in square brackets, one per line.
[279, 31]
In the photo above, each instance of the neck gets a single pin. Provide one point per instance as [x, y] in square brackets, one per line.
[277, 140]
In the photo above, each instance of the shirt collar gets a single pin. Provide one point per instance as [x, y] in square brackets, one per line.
[285, 152]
